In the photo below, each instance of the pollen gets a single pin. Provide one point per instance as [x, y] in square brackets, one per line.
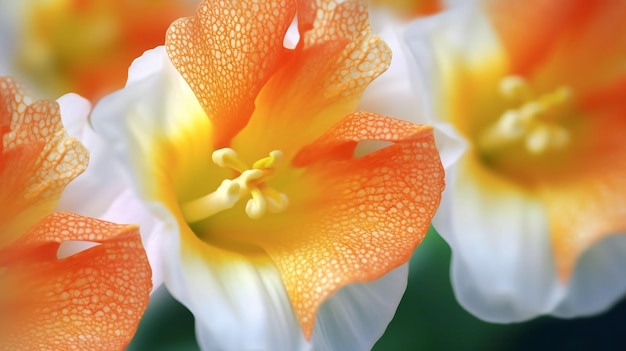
[534, 120]
[250, 182]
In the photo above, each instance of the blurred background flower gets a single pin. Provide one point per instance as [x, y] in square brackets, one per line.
[81, 46]
[534, 209]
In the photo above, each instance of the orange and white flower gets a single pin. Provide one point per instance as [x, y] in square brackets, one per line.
[67, 282]
[81, 46]
[538, 89]
[276, 236]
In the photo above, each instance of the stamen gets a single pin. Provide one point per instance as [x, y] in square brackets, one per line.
[276, 202]
[533, 122]
[257, 205]
[227, 158]
[538, 139]
[224, 198]
[274, 158]
[515, 88]
[250, 182]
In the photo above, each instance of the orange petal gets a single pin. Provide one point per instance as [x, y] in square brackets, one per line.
[91, 300]
[565, 36]
[335, 60]
[526, 44]
[226, 53]
[38, 159]
[588, 202]
[412, 8]
[361, 217]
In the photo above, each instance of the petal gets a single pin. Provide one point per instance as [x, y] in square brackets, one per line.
[588, 202]
[502, 264]
[38, 159]
[149, 136]
[238, 301]
[371, 212]
[157, 129]
[226, 53]
[91, 300]
[460, 64]
[528, 45]
[401, 92]
[320, 83]
[565, 37]
[412, 8]
[401, 82]
[103, 191]
[356, 316]
[247, 294]
[597, 282]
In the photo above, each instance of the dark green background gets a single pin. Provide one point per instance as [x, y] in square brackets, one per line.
[428, 318]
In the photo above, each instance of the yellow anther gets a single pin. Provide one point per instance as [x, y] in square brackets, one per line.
[558, 97]
[248, 177]
[227, 158]
[538, 139]
[546, 136]
[270, 161]
[532, 110]
[257, 205]
[532, 122]
[276, 202]
[250, 182]
[515, 88]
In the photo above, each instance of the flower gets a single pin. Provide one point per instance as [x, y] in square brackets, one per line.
[246, 148]
[82, 46]
[67, 281]
[533, 206]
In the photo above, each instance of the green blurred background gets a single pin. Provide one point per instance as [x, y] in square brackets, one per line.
[428, 318]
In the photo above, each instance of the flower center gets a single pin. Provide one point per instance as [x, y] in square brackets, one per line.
[250, 182]
[534, 122]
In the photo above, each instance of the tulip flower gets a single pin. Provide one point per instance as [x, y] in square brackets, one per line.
[67, 282]
[278, 231]
[533, 208]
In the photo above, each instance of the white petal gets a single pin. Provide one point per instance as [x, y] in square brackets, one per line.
[400, 91]
[357, 315]
[448, 46]
[502, 264]
[103, 191]
[237, 305]
[598, 281]
[240, 305]
[396, 92]
[9, 34]
[151, 62]
[74, 112]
